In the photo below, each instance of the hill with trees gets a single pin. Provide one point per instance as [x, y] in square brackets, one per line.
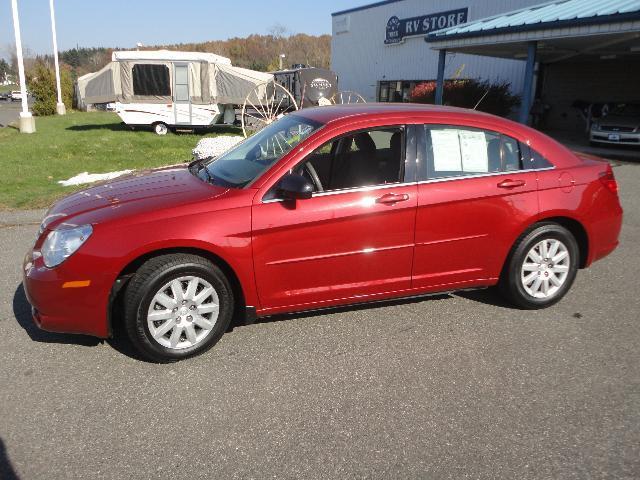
[257, 52]
[261, 52]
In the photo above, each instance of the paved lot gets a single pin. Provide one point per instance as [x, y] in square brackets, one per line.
[453, 387]
[9, 112]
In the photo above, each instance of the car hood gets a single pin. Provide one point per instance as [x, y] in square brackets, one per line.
[619, 121]
[136, 193]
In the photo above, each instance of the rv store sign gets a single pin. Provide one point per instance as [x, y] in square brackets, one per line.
[398, 30]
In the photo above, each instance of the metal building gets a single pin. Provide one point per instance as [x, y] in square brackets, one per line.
[581, 56]
[379, 50]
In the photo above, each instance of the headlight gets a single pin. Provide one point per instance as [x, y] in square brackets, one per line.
[61, 244]
[595, 126]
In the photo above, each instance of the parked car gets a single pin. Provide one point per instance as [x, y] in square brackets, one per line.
[5, 96]
[620, 126]
[327, 206]
[16, 95]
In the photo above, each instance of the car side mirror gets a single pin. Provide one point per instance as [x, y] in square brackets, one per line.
[295, 187]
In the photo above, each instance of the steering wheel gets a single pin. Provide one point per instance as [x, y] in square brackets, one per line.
[311, 171]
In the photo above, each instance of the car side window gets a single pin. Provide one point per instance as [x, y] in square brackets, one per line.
[511, 156]
[533, 160]
[359, 159]
[453, 151]
[459, 151]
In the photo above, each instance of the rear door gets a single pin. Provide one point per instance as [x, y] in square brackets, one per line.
[473, 198]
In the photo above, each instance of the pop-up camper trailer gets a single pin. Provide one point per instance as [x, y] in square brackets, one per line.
[170, 89]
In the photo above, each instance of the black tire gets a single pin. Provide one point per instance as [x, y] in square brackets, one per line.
[510, 284]
[160, 128]
[149, 278]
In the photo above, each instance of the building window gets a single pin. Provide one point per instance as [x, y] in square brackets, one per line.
[151, 80]
[384, 92]
[397, 90]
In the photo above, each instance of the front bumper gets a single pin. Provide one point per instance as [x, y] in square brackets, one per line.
[63, 302]
[615, 138]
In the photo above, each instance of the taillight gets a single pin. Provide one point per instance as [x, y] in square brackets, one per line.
[609, 180]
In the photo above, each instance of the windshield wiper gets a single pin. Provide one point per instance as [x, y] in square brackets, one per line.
[196, 166]
[197, 162]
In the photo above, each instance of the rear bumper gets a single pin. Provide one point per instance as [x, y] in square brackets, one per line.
[604, 234]
[56, 307]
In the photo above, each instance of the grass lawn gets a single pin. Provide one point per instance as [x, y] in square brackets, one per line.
[8, 88]
[64, 146]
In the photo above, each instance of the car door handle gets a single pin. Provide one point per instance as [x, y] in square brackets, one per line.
[392, 198]
[511, 183]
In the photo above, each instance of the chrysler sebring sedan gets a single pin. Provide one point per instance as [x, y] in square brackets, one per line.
[324, 207]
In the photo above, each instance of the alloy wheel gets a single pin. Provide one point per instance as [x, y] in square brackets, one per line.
[183, 312]
[545, 268]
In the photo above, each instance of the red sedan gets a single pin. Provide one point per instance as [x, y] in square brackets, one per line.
[325, 207]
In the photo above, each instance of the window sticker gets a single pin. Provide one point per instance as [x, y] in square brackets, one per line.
[446, 150]
[473, 148]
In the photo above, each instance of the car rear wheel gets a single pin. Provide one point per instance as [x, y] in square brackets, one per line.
[541, 267]
[177, 306]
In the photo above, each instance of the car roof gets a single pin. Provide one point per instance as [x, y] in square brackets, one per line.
[333, 113]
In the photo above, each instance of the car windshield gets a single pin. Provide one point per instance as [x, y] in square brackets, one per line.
[626, 110]
[248, 160]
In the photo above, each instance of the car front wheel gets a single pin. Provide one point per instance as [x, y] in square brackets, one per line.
[177, 306]
[541, 268]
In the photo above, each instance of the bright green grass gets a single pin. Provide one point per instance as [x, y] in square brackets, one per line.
[64, 146]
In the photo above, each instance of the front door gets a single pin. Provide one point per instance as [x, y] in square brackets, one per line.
[352, 240]
[181, 94]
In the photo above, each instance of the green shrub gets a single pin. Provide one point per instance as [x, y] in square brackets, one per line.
[42, 85]
[467, 93]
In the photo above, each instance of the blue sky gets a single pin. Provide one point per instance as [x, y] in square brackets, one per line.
[123, 23]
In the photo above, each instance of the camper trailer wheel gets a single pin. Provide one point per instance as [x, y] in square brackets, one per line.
[160, 128]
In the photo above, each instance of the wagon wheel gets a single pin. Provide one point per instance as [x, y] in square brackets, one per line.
[265, 104]
[274, 146]
[347, 96]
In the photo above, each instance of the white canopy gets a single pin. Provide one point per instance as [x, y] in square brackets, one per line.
[232, 84]
[212, 79]
[168, 56]
[99, 87]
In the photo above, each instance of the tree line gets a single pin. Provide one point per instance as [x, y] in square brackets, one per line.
[257, 52]
[262, 52]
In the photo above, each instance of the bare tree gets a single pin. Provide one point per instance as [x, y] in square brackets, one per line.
[10, 52]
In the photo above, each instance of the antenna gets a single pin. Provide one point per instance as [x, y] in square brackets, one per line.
[479, 101]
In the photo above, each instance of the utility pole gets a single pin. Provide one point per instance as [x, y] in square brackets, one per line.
[60, 108]
[27, 122]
